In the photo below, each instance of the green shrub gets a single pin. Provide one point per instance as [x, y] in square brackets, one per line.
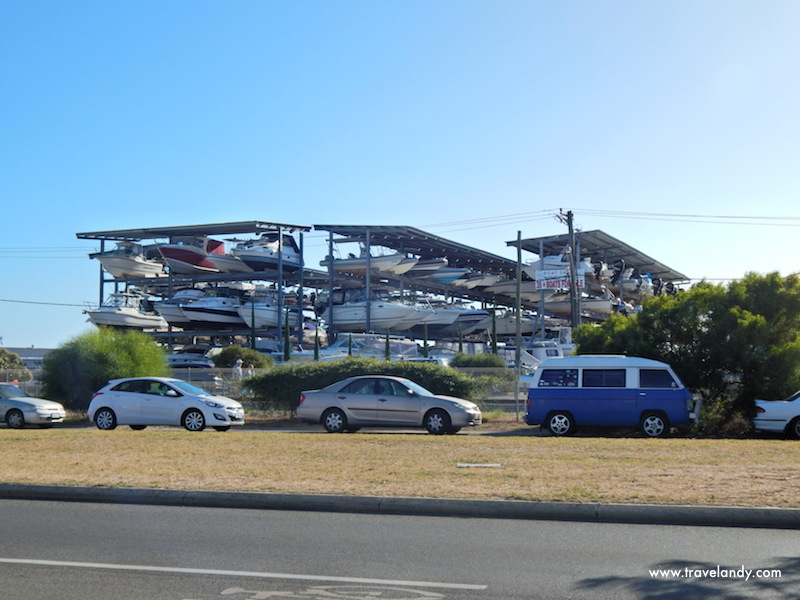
[74, 371]
[227, 357]
[478, 360]
[280, 388]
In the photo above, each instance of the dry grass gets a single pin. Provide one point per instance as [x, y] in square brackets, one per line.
[581, 469]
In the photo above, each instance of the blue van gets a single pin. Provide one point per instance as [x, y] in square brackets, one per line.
[617, 391]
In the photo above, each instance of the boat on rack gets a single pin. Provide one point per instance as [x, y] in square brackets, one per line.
[130, 260]
[218, 307]
[269, 251]
[262, 311]
[229, 263]
[425, 267]
[188, 255]
[350, 310]
[170, 309]
[357, 265]
[127, 310]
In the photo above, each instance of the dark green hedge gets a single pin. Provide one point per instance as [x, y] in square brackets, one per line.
[280, 388]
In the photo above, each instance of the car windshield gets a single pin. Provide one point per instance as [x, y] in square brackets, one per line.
[421, 391]
[794, 396]
[8, 390]
[189, 388]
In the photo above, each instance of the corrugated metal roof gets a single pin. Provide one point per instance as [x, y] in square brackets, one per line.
[601, 246]
[147, 233]
[425, 245]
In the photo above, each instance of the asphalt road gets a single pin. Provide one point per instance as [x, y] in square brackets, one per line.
[88, 551]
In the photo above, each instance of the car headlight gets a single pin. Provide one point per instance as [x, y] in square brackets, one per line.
[213, 404]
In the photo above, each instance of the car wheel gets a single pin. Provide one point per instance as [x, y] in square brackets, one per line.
[15, 419]
[137, 427]
[560, 423]
[193, 420]
[453, 430]
[437, 422]
[105, 419]
[794, 429]
[334, 420]
[654, 425]
[222, 427]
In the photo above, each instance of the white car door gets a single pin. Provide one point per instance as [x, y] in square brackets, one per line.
[161, 405]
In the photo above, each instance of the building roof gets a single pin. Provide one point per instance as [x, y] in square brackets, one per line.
[601, 246]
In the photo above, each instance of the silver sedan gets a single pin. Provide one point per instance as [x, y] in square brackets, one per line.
[18, 409]
[381, 400]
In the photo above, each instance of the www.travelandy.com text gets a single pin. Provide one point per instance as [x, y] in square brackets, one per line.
[717, 572]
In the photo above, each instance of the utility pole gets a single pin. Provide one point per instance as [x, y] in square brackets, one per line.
[574, 292]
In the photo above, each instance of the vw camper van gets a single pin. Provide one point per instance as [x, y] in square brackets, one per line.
[615, 391]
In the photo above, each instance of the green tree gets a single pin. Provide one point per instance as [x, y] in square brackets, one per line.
[731, 344]
[74, 371]
[13, 365]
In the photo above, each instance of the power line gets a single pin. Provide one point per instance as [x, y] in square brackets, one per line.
[43, 303]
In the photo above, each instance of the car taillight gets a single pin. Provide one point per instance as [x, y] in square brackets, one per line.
[302, 397]
[96, 394]
[760, 410]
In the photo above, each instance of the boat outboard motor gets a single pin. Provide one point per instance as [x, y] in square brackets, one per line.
[619, 267]
[670, 289]
[658, 284]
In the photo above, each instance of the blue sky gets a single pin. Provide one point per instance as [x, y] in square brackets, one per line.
[673, 126]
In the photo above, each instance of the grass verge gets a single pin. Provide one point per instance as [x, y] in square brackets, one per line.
[581, 469]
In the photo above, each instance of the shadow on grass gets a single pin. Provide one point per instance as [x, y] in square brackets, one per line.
[696, 581]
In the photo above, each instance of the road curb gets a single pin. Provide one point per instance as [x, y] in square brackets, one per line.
[716, 516]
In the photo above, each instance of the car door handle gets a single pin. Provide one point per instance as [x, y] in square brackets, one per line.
[381, 399]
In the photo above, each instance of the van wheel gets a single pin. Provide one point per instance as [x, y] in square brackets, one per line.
[654, 425]
[560, 423]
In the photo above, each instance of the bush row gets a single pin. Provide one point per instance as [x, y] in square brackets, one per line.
[280, 388]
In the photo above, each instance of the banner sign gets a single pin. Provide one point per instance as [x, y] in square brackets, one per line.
[556, 279]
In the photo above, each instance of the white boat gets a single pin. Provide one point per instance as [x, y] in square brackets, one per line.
[228, 263]
[189, 255]
[425, 267]
[270, 250]
[129, 260]
[446, 274]
[350, 311]
[170, 309]
[261, 311]
[358, 264]
[561, 305]
[370, 345]
[404, 266]
[217, 307]
[505, 323]
[125, 309]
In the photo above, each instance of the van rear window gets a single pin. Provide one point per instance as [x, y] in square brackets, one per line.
[593, 378]
[559, 378]
[656, 378]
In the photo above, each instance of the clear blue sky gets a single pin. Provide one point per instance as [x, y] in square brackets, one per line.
[654, 121]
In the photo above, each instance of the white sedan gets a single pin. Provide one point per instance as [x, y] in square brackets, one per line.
[142, 401]
[381, 400]
[18, 409]
[779, 416]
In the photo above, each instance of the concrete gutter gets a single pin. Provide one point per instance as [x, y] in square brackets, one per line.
[712, 516]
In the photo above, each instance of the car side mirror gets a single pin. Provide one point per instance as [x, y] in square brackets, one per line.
[172, 393]
[411, 392]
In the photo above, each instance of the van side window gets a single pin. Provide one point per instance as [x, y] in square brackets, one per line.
[559, 378]
[593, 378]
[656, 378]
